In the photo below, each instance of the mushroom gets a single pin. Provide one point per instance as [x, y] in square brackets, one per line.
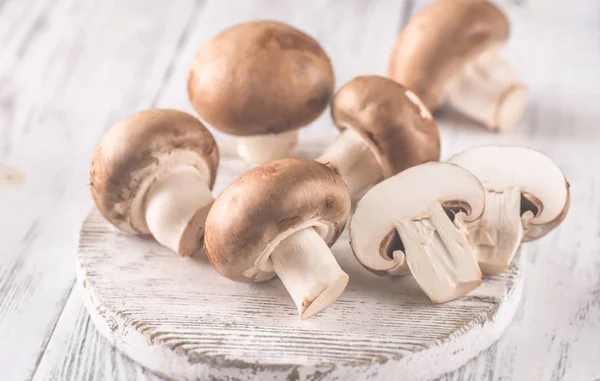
[152, 173]
[384, 130]
[407, 223]
[279, 219]
[261, 81]
[450, 51]
[527, 196]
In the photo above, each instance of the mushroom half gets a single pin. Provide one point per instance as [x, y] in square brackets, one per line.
[408, 223]
[449, 50]
[384, 130]
[527, 196]
[152, 174]
[261, 81]
[280, 219]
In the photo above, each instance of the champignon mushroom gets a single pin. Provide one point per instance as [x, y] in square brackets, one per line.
[279, 219]
[384, 130]
[152, 173]
[261, 81]
[527, 196]
[405, 224]
[450, 50]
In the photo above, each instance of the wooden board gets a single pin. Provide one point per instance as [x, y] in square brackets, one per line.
[69, 69]
[179, 318]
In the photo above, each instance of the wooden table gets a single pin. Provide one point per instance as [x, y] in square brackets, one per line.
[70, 68]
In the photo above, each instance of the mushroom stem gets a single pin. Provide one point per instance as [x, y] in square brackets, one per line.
[490, 92]
[309, 271]
[439, 256]
[499, 231]
[261, 149]
[176, 207]
[352, 158]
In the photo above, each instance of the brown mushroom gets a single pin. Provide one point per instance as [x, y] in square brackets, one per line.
[152, 173]
[450, 51]
[385, 129]
[261, 81]
[279, 219]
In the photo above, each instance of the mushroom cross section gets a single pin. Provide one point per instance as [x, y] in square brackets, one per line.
[261, 81]
[152, 174]
[527, 196]
[384, 130]
[406, 223]
[280, 219]
[449, 50]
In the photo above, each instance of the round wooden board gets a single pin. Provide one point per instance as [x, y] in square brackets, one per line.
[179, 318]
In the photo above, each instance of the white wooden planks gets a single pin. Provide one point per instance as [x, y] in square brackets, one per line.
[69, 69]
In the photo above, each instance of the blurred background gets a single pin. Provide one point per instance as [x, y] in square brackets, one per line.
[69, 69]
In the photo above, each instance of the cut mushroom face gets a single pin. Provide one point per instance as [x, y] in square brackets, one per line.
[261, 81]
[384, 130]
[279, 219]
[527, 196]
[152, 174]
[409, 222]
[450, 51]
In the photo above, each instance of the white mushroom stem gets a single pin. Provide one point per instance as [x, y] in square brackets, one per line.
[439, 256]
[354, 161]
[308, 271]
[176, 207]
[490, 92]
[499, 231]
[261, 149]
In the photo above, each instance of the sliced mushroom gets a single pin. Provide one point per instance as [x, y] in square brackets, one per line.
[280, 218]
[405, 223]
[384, 130]
[527, 196]
[152, 173]
[261, 81]
[450, 51]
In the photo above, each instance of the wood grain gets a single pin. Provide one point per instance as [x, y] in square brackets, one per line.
[68, 69]
[178, 317]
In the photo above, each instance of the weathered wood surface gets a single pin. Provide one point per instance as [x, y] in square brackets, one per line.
[180, 318]
[68, 69]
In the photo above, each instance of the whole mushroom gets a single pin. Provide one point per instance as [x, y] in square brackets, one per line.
[261, 81]
[449, 50]
[279, 219]
[408, 223]
[384, 130]
[152, 174]
[527, 196]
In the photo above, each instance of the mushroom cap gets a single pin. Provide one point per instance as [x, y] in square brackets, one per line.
[408, 195]
[260, 77]
[265, 205]
[541, 181]
[393, 122]
[438, 41]
[141, 146]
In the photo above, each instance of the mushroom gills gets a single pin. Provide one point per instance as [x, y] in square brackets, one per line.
[439, 256]
[498, 234]
[261, 149]
[176, 206]
[490, 92]
[309, 271]
[354, 160]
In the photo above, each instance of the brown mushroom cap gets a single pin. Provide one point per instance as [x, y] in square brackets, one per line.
[266, 204]
[135, 149]
[438, 41]
[260, 77]
[397, 127]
